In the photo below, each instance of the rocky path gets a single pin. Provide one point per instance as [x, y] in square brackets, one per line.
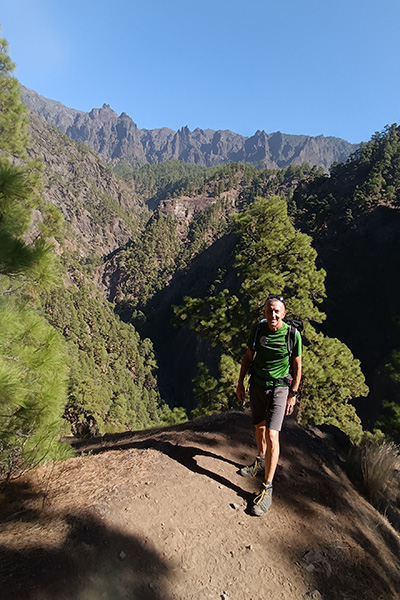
[163, 515]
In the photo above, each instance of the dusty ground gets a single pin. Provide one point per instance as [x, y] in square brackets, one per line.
[163, 515]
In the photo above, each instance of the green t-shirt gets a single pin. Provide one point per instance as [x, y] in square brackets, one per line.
[271, 360]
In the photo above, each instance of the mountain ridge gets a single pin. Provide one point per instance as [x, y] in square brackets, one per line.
[117, 138]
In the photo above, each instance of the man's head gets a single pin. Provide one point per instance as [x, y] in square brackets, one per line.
[274, 311]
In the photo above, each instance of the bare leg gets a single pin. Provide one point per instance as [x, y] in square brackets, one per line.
[261, 438]
[272, 453]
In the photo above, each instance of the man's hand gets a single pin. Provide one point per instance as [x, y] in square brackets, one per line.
[244, 367]
[290, 404]
[241, 392]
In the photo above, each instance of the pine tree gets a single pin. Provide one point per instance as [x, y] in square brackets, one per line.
[32, 364]
[13, 114]
[389, 421]
[273, 257]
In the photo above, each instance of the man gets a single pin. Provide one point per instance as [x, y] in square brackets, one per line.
[273, 391]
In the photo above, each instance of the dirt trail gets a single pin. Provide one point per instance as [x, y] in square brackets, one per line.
[163, 515]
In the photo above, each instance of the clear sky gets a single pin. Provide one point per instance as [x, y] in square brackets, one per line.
[312, 67]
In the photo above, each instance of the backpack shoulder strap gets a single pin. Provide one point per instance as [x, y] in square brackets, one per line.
[295, 325]
[256, 333]
[290, 339]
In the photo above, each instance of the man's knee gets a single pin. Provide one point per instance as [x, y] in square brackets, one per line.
[272, 437]
[260, 425]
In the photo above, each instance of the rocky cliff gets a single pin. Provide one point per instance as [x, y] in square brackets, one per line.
[116, 137]
[101, 213]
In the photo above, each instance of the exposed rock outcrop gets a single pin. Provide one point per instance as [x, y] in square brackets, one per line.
[116, 137]
[100, 211]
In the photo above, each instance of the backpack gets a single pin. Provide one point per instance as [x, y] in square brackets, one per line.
[294, 326]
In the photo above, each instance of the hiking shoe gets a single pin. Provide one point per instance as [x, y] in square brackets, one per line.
[263, 501]
[257, 468]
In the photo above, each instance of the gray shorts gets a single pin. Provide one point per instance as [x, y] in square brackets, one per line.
[268, 404]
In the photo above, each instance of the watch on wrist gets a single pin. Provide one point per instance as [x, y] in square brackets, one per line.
[294, 393]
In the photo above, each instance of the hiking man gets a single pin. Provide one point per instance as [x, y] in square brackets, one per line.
[273, 390]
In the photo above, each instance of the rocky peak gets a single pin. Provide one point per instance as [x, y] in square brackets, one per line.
[116, 137]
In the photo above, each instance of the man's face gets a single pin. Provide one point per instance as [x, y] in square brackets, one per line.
[274, 311]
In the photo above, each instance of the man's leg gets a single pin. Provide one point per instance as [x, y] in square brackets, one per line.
[262, 502]
[258, 409]
[273, 424]
[258, 466]
[261, 438]
[271, 454]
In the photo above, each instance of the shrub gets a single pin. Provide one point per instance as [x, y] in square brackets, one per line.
[378, 464]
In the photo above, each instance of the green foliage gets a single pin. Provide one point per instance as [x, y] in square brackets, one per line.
[13, 114]
[113, 371]
[331, 378]
[32, 388]
[104, 209]
[173, 417]
[174, 178]
[389, 422]
[370, 177]
[168, 179]
[32, 365]
[205, 227]
[124, 170]
[219, 318]
[166, 246]
[273, 257]
[215, 395]
[280, 182]
[148, 262]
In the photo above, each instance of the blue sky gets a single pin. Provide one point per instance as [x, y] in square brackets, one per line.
[301, 67]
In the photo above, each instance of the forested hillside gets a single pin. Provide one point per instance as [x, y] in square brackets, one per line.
[144, 283]
[32, 400]
[112, 382]
[67, 362]
[351, 216]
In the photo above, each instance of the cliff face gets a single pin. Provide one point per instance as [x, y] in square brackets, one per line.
[116, 137]
[101, 212]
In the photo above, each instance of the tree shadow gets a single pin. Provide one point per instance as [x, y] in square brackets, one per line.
[92, 561]
[357, 551]
[311, 484]
[184, 455]
[337, 575]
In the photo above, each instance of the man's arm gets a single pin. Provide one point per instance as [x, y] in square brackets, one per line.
[291, 401]
[244, 367]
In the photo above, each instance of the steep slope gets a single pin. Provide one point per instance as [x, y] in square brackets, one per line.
[352, 215]
[116, 137]
[101, 212]
[187, 249]
[354, 218]
[163, 515]
[112, 382]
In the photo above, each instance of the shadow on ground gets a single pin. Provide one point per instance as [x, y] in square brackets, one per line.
[93, 562]
[354, 552]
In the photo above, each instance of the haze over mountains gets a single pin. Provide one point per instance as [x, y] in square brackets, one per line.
[117, 138]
